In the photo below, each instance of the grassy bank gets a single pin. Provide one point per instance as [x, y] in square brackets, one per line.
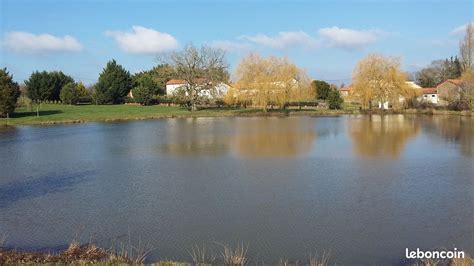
[57, 113]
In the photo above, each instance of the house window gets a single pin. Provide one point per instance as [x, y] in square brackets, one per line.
[425, 96]
[433, 95]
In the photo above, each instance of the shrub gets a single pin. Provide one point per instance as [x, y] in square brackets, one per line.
[459, 105]
[143, 95]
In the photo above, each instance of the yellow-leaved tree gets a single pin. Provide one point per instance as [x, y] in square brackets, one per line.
[269, 81]
[379, 79]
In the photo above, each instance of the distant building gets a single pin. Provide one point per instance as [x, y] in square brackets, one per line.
[449, 90]
[217, 91]
[429, 95]
[174, 84]
[345, 91]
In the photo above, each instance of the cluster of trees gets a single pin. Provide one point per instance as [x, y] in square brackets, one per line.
[439, 71]
[46, 86]
[327, 92]
[379, 79]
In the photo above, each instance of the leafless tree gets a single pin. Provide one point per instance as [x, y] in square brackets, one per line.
[466, 49]
[201, 68]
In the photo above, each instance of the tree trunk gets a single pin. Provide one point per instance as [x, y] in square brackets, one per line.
[37, 111]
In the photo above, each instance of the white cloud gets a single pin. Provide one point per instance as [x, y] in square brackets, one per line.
[461, 29]
[283, 39]
[349, 38]
[25, 42]
[144, 40]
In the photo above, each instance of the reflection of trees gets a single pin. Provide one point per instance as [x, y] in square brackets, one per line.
[273, 136]
[457, 129]
[246, 136]
[196, 137]
[384, 135]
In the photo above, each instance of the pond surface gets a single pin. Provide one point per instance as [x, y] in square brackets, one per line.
[362, 187]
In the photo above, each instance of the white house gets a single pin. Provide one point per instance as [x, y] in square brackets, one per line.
[412, 85]
[173, 84]
[217, 91]
[429, 95]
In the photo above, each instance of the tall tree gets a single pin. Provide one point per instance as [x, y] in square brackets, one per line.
[114, 84]
[378, 78]
[322, 89]
[201, 68]
[272, 80]
[9, 92]
[466, 48]
[46, 86]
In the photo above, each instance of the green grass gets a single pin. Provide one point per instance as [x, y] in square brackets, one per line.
[58, 113]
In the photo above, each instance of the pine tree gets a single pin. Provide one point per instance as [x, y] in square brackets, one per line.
[114, 84]
[9, 92]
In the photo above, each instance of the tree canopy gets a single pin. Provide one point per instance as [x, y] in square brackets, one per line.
[114, 84]
[9, 92]
[46, 86]
[322, 89]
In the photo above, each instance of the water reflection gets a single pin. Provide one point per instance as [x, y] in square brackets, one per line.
[246, 137]
[381, 135]
[453, 129]
[273, 137]
[196, 136]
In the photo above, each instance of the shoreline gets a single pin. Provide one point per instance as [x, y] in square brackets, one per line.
[208, 113]
[91, 254]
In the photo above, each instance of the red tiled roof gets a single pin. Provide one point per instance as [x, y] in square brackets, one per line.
[346, 89]
[430, 91]
[454, 81]
[175, 82]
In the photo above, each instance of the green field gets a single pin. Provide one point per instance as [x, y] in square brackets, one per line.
[58, 113]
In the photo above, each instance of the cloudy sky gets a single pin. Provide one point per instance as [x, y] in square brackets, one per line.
[326, 38]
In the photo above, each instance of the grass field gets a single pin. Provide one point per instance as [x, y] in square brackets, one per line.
[59, 113]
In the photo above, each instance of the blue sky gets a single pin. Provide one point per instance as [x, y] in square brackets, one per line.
[326, 38]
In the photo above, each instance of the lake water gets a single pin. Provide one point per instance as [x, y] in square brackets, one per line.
[362, 187]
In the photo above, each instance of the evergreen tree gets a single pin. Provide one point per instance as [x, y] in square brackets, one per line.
[46, 86]
[322, 89]
[70, 93]
[143, 95]
[334, 99]
[9, 92]
[114, 84]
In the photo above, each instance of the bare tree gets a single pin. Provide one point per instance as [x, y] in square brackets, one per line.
[466, 48]
[201, 68]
